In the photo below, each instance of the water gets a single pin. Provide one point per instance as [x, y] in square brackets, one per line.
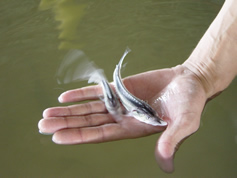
[36, 35]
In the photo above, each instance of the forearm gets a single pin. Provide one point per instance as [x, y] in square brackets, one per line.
[214, 60]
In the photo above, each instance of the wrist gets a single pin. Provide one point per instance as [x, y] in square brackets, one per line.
[214, 60]
[215, 69]
[205, 74]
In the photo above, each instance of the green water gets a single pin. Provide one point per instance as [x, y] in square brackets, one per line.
[34, 38]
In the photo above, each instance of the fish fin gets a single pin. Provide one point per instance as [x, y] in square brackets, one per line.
[123, 66]
[101, 97]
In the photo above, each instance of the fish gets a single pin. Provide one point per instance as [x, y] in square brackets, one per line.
[76, 66]
[136, 107]
[110, 99]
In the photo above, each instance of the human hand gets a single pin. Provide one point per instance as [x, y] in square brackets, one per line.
[176, 94]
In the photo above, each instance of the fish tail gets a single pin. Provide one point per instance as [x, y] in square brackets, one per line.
[96, 76]
[124, 55]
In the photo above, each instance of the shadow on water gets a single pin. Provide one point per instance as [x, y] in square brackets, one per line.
[36, 35]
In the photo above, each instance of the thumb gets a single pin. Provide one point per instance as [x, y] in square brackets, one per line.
[170, 140]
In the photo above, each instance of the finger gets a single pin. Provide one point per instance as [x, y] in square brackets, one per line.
[53, 124]
[170, 140]
[76, 110]
[108, 132]
[81, 94]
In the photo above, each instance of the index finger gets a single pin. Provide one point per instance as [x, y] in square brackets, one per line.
[81, 94]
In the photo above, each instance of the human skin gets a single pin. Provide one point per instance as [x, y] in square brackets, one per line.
[178, 94]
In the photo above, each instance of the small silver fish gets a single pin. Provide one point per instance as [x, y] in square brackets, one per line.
[139, 109]
[110, 99]
[76, 66]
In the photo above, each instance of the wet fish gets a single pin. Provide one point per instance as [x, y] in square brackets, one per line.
[139, 109]
[76, 66]
[110, 99]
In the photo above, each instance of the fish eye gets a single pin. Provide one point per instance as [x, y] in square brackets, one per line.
[141, 114]
[135, 112]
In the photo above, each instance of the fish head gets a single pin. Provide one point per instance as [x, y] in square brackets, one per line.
[148, 117]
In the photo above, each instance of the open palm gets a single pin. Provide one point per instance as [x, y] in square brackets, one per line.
[175, 93]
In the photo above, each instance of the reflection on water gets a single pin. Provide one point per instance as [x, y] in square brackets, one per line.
[68, 13]
[162, 33]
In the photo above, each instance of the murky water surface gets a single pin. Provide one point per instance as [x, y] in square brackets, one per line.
[36, 35]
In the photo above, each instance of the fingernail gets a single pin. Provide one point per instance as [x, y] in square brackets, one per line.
[44, 133]
[55, 140]
[45, 113]
[60, 99]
